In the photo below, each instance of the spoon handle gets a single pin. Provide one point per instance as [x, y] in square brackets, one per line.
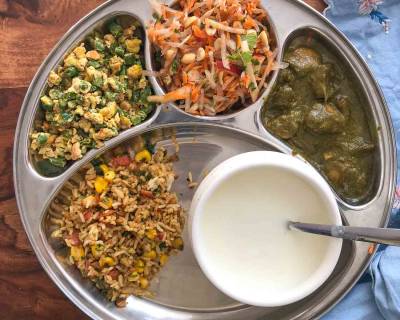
[374, 235]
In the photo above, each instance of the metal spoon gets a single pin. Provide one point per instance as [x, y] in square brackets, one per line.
[374, 235]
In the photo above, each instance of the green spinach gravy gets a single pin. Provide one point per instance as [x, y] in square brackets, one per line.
[315, 108]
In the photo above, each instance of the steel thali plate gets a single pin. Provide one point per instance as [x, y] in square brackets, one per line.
[183, 292]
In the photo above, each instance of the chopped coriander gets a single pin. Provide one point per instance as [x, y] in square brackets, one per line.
[115, 29]
[70, 95]
[174, 66]
[239, 56]
[251, 39]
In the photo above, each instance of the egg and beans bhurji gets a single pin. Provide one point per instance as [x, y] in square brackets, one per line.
[97, 91]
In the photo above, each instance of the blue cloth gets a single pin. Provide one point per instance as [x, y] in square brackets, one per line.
[377, 297]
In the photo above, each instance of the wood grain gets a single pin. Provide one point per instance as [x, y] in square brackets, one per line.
[28, 31]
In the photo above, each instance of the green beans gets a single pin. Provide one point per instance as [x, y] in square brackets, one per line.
[71, 72]
[115, 29]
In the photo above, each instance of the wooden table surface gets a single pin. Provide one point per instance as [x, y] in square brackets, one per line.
[28, 31]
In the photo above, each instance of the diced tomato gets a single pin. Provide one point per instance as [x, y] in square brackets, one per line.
[232, 67]
[88, 215]
[113, 274]
[74, 238]
[160, 235]
[147, 194]
[123, 161]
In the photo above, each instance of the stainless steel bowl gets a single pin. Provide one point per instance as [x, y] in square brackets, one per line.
[183, 292]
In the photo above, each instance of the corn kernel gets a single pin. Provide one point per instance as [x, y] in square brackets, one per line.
[178, 243]
[139, 263]
[106, 261]
[144, 283]
[96, 249]
[134, 276]
[163, 259]
[109, 175]
[100, 184]
[104, 168]
[77, 252]
[139, 270]
[151, 254]
[151, 234]
[143, 155]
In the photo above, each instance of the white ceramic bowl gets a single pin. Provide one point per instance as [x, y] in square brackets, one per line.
[234, 269]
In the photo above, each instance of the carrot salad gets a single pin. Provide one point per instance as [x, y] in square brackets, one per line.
[212, 54]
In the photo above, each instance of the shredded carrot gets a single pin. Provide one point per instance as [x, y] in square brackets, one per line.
[209, 58]
[189, 67]
[199, 33]
[238, 41]
[249, 23]
[195, 94]
[174, 37]
[246, 80]
[190, 4]
[184, 77]
[371, 249]
[250, 7]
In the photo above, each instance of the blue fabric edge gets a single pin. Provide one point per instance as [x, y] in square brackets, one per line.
[329, 6]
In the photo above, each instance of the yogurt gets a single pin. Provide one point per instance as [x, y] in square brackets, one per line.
[240, 235]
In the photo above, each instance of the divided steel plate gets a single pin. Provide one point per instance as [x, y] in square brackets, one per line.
[183, 292]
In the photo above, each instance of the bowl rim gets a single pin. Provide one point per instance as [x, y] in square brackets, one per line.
[248, 161]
